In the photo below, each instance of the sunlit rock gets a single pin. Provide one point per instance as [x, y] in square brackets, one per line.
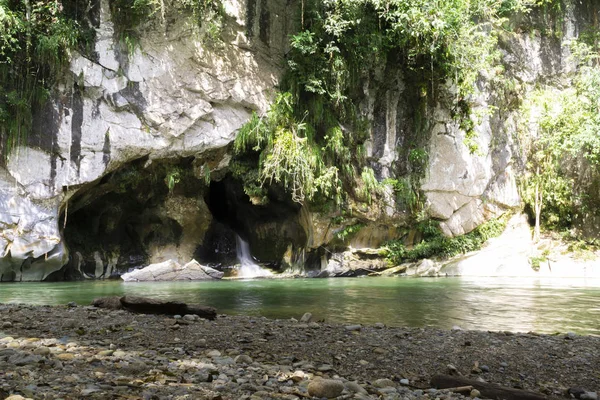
[172, 271]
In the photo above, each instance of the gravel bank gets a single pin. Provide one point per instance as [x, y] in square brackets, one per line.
[83, 352]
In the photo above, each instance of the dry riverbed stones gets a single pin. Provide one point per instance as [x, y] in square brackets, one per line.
[83, 352]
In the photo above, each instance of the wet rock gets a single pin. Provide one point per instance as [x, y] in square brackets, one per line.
[327, 388]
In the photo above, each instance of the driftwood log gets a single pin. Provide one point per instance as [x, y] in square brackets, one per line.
[488, 390]
[145, 305]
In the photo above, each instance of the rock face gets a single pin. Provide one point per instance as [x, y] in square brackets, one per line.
[128, 163]
[172, 271]
[176, 96]
[511, 255]
[354, 262]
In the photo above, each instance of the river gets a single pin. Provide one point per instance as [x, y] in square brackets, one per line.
[520, 305]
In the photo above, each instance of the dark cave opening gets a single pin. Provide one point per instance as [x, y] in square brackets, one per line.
[151, 211]
[132, 215]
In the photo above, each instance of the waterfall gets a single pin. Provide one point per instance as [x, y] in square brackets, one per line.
[248, 268]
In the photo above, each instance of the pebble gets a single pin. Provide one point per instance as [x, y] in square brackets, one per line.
[65, 356]
[327, 388]
[211, 363]
[353, 327]
[306, 318]
[325, 368]
[354, 387]
[7, 325]
[243, 359]
[589, 396]
[42, 351]
[384, 383]
[213, 353]
[475, 393]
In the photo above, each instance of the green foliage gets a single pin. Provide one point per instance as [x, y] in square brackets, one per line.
[535, 262]
[129, 15]
[349, 231]
[369, 186]
[172, 178]
[568, 130]
[340, 42]
[36, 38]
[287, 156]
[435, 244]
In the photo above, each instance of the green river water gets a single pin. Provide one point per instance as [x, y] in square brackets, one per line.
[527, 304]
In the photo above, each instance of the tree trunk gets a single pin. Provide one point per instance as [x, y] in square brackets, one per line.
[489, 390]
[538, 208]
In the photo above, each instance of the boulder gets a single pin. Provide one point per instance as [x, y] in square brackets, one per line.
[173, 271]
[110, 303]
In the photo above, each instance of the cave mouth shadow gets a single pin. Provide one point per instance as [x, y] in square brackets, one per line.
[152, 211]
[113, 225]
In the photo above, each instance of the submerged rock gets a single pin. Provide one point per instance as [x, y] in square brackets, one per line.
[173, 271]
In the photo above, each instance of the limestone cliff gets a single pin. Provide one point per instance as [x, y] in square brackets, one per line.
[128, 162]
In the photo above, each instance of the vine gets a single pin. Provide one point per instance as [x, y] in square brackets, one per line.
[340, 43]
[36, 39]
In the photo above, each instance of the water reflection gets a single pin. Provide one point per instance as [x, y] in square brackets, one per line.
[542, 305]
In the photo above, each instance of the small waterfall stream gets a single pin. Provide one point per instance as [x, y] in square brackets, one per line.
[248, 268]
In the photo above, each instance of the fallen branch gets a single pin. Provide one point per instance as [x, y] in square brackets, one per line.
[489, 390]
[146, 305]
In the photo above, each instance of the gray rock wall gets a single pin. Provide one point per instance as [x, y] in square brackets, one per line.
[179, 96]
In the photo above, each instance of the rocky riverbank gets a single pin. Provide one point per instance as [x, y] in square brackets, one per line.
[83, 352]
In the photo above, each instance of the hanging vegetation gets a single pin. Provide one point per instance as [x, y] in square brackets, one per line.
[339, 43]
[36, 38]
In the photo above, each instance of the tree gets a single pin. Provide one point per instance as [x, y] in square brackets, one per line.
[566, 132]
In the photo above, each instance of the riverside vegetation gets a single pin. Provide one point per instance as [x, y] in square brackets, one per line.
[311, 142]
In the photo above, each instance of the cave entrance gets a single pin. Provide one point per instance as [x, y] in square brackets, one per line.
[150, 211]
[146, 212]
